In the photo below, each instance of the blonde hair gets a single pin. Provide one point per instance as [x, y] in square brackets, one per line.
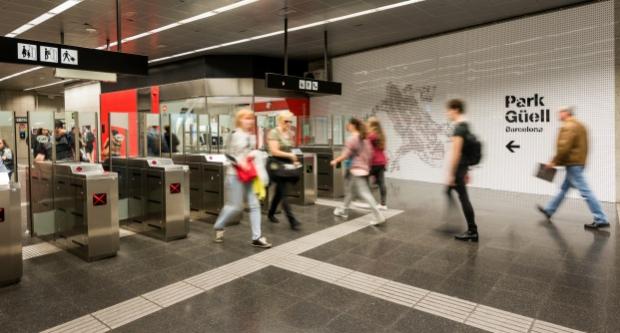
[284, 115]
[242, 114]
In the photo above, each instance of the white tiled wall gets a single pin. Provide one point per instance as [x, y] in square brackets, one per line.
[566, 56]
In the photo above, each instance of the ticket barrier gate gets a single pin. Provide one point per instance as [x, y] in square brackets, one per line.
[10, 234]
[82, 199]
[158, 197]
[207, 184]
[330, 179]
[304, 192]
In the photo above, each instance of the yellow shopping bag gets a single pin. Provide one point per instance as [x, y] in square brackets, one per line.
[259, 188]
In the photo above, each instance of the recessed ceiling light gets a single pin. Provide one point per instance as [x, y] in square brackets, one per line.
[91, 30]
[161, 46]
[129, 14]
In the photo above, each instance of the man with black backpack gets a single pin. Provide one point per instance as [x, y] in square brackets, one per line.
[466, 151]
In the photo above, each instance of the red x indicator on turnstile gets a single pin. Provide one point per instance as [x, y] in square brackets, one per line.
[1, 215]
[100, 199]
[175, 188]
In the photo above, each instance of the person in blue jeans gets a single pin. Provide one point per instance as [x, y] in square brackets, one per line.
[572, 152]
[241, 145]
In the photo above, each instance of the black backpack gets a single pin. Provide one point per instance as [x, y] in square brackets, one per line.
[472, 150]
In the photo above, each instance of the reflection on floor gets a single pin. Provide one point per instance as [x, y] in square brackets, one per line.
[554, 272]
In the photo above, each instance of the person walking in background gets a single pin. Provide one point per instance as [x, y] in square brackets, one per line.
[572, 152]
[242, 144]
[172, 141]
[459, 166]
[376, 136]
[89, 143]
[6, 155]
[280, 143]
[359, 149]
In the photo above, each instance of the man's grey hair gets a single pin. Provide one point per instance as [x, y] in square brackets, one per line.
[568, 109]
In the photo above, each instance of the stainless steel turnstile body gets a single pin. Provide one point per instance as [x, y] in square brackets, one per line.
[85, 202]
[304, 192]
[207, 183]
[330, 179]
[158, 193]
[78, 206]
[10, 235]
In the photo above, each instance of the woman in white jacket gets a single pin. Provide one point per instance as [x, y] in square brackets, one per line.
[241, 145]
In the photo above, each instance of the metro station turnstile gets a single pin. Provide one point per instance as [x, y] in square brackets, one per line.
[330, 179]
[78, 202]
[304, 192]
[11, 267]
[207, 183]
[158, 196]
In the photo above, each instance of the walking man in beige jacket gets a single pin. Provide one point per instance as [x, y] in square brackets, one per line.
[572, 152]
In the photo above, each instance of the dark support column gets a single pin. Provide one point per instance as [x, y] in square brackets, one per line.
[328, 76]
[119, 37]
[285, 45]
[617, 99]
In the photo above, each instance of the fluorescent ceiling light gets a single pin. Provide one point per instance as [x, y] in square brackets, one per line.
[44, 17]
[20, 73]
[49, 85]
[70, 3]
[302, 27]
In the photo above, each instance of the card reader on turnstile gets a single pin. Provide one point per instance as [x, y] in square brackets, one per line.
[10, 233]
[158, 192]
[86, 212]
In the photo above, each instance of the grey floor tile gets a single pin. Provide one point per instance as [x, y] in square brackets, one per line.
[337, 298]
[348, 324]
[578, 298]
[301, 286]
[270, 276]
[307, 316]
[524, 304]
[523, 285]
[417, 321]
[378, 311]
[420, 279]
[591, 320]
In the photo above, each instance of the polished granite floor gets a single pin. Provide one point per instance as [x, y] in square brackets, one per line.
[556, 272]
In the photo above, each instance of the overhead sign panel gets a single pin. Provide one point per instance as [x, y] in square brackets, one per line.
[300, 84]
[19, 51]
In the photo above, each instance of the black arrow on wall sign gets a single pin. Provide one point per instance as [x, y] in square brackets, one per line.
[511, 146]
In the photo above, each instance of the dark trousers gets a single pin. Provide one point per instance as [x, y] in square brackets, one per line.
[378, 171]
[280, 196]
[461, 189]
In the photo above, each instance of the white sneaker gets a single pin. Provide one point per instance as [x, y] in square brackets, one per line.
[341, 212]
[382, 207]
[219, 236]
[379, 221]
[261, 242]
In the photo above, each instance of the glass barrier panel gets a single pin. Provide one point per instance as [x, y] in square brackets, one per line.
[87, 124]
[8, 142]
[40, 172]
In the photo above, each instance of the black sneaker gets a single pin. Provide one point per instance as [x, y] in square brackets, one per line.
[596, 225]
[295, 225]
[261, 242]
[543, 211]
[467, 236]
[273, 219]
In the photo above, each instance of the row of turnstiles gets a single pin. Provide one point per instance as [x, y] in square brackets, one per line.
[80, 206]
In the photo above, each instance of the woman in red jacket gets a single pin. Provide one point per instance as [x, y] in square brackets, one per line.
[379, 160]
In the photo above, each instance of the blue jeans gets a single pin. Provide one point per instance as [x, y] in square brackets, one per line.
[574, 178]
[234, 205]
